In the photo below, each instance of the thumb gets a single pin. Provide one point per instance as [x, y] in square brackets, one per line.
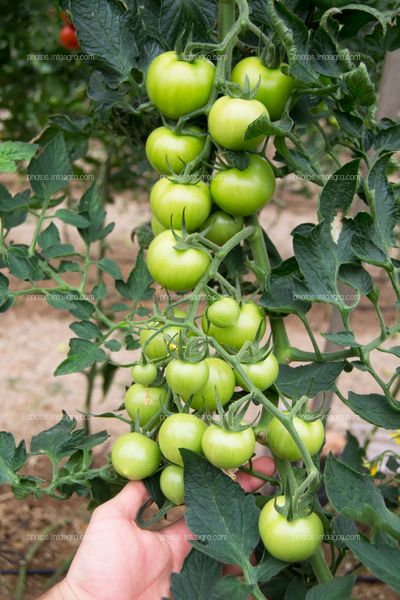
[128, 502]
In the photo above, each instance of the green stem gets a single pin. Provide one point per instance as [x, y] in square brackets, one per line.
[38, 227]
[281, 340]
[320, 567]
[91, 376]
[259, 252]
[226, 21]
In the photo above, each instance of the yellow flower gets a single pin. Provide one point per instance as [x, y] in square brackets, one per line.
[396, 436]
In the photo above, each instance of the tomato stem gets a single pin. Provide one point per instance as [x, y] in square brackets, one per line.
[320, 568]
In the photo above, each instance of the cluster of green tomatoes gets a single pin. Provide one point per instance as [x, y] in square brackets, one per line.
[218, 207]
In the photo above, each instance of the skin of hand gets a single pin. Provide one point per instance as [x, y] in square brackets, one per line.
[117, 560]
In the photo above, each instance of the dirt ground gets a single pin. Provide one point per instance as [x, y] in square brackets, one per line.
[34, 340]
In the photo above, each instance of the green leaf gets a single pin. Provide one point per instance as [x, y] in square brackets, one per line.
[354, 495]
[52, 440]
[339, 588]
[197, 578]
[51, 170]
[59, 250]
[218, 512]
[375, 409]
[99, 292]
[113, 345]
[70, 301]
[11, 152]
[138, 284]
[49, 237]
[342, 338]
[295, 590]
[279, 295]
[353, 454]
[383, 201]
[191, 15]
[356, 277]
[82, 354]
[388, 140]
[360, 86]
[111, 267]
[12, 458]
[349, 123]
[268, 568]
[338, 193]
[297, 161]
[91, 208]
[380, 559]
[86, 330]
[231, 587]
[311, 379]
[71, 218]
[106, 30]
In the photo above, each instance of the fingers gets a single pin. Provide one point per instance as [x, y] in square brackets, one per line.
[128, 502]
[178, 537]
[264, 465]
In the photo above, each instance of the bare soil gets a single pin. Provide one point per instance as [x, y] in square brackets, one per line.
[34, 340]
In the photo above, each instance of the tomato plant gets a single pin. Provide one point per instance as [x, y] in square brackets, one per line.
[206, 311]
[68, 37]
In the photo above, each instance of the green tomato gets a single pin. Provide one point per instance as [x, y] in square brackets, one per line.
[145, 401]
[243, 193]
[282, 445]
[135, 456]
[180, 430]
[262, 373]
[251, 318]
[177, 87]
[171, 484]
[221, 381]
[228, 449]
[177, 270]
[157, 347]
[229, 119]
[145, 374]
[169, 152]
[290, 541]
[186, 378]
[169, 201]
[274, 87]
[222, 227]
[224, 312]
[156, 226]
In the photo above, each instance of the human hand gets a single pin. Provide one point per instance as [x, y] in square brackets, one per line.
[117, 560]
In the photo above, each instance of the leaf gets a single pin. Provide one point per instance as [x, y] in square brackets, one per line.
[106, 30]
[360, 86]
[353, 455]
[339, 588]
[110, 267]
[279, 295]
[375, 409]
[86, 330]
[70, 301]
[311, 379]
[354, 495]
[191, 15]
[49, 237]
[388, 139]
[380, 559]
[342, 338]
[138, 284]
[231, 587]
[51, 170]
[295, 590]
[356, 277]
[11, 152]
[383, 200]
[197, 578]
[71, 218]
[338, 193]
[268, 568]
[352, 125]
[82, 354]
[51, 440]
[91, 208]
[113, 345]
[12, 458]
[218, 512]
[297, 161]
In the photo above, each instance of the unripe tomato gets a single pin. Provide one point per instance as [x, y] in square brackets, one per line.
[262, 373]
[229, 119]
[135, 456]
[176, 270]
[251, 318]
[186, 378]
[157, 347]
[180, 430]
[68, 37]
[156, 226]
[243, 193]
[228, 449]
[290, 541]
[274, 89]
[144, 374]
[168, 151]
[145, 401]
[281, 443]
[224, 312]
[177, 87]
[221, 381]
[171, 484]
[169, 201]
[222, 227]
